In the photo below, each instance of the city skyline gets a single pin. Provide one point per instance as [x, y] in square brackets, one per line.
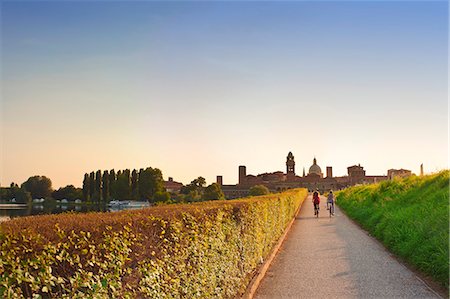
[199, 88]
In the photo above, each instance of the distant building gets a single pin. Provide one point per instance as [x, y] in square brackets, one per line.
[401, 173]
[279, 181]
[172, 186]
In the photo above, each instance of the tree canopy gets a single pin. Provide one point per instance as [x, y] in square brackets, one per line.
[69, 192]
[38, 186]
[258, 190]
[213, 191]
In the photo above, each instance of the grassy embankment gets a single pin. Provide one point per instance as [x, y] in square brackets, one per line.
[204, 250]
[410, 216]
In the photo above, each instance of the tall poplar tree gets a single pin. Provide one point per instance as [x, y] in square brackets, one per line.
[112, 184]
[86, 187]
[105, 186]
[92, 186]
[134, 185]
[123, 185]
[98, 185]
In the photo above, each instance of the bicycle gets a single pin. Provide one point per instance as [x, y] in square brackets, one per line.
[316, 210]
[331, 208]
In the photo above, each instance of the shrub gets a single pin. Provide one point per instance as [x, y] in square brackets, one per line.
[201, 250]
[258, 190]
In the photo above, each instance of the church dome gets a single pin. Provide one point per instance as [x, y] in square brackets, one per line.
[315, 169]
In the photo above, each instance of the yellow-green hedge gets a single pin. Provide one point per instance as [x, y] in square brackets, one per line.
[201, 250]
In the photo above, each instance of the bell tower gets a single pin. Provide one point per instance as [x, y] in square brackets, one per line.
[290, 165]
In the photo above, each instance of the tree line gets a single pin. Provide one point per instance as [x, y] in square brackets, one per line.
[196, 191]
[104, 186]
[143, 184]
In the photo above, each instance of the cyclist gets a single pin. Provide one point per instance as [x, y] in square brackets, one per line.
[316, 201]
[330, 202]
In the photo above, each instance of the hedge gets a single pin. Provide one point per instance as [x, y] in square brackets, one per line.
[203, 250]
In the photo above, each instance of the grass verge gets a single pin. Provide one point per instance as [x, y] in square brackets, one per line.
[410, 216]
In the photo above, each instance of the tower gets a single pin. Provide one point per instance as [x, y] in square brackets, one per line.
[329, 172]
[290, 166]
[421, 169]
[242, 174]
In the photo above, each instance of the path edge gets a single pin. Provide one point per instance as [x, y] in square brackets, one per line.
[261, 272]
[433, 286]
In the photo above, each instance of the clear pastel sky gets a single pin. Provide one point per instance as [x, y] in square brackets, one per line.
[199, 88]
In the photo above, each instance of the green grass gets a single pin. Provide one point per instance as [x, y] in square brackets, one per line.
[410, 216]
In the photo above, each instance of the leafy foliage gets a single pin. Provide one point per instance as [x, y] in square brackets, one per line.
[212, 192]
[195, 185]
[204, 250]
[38, 186]
[20, 195]
[69, 192]
[410, 216]
[258, 190]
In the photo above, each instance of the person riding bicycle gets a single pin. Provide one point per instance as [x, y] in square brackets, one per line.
[316, 201]
[330, 201]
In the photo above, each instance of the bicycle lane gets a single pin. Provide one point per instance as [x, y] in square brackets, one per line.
[333, 258]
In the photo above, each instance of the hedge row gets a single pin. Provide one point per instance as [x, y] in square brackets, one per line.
[203, 250]
[410, 216]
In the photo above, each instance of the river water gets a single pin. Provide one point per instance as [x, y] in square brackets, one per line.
[8, 211]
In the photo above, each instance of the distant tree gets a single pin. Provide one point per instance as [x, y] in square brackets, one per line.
[69, 192]
[158, 182]
[195, 185]
[21, 195]
[141, 183]
[92, 186]
[98, 186]
[5, 194]
[86, 188]
[12, 185]
[122, 186]
[161, 196]
[134, 185]
[213, 191]
[38, 186]
[127, 174]
[105, 186]
[112, 184]
[150, 182]
[258, 190]
[193, 196]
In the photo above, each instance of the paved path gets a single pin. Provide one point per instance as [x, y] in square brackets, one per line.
[333, 258]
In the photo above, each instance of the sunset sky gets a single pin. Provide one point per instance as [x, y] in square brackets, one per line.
[199, 88]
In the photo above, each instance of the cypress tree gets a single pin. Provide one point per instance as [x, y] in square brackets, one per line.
[105, 186]
[86, 190]
[92, 186]
[112, 184]
[98, 185]
[141, 192]
[134, 185]
[127, 179]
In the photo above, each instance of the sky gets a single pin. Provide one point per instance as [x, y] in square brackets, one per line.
[198, 88]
